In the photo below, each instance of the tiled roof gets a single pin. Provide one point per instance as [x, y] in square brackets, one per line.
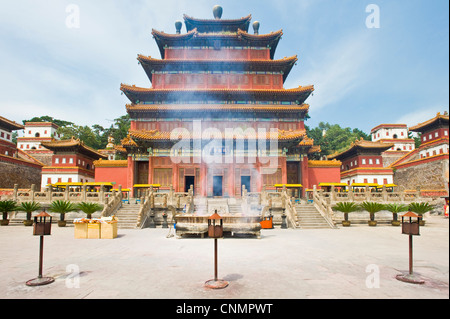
[155, 135]
[135, 93]
[238, 38]
[151, 65]
[438, 118]
[141, 108]
[109, 163]
[76, 144]
[11, 125]
[361, 144]
[218, 25]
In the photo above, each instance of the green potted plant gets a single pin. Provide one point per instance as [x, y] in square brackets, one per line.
[29, 208]
[372, 208]
[7, 206]
[420, 209]
[346, 208]
[62, 207]
[395, 209]
[89, 208]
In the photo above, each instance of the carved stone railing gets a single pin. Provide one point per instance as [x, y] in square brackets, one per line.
[48, 195]
[289, 210]
[145, 210]
[112, 204]
[324, 201]
[323, 207]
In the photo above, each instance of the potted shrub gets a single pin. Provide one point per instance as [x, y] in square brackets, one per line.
[89, 208]
[7, 206]
[372, 208]
[346, 207]
[62, 207]
[395, 209]
[420, 209]
[29, 207]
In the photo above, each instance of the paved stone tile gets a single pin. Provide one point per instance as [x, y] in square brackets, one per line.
[347, 263]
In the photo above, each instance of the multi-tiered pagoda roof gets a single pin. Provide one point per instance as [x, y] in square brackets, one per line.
[209, 48]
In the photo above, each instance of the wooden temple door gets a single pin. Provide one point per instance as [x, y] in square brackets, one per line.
[292, 173]
[142, 173]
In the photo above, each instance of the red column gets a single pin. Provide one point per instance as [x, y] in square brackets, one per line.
[260, 178]
[282, 159]
[150, 170]
[203, 179]
[231, 180]
[305, 172]
[130, 173]
[175, 176]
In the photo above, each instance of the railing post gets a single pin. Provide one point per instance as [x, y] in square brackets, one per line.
[15, 191]
[83, 193]
[32, 190]
[384, 194]
[102, 194]
[350, 194]
[66, 193]
[49, 192]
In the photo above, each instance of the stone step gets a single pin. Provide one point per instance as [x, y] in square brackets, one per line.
[309, 218]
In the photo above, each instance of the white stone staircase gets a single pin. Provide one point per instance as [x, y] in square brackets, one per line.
[309, 218]
[127, 216]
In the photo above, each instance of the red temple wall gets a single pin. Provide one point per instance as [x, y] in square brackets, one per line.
[217, 81]
[322, 175]
[222, 54]
[112, 174]
[167, 126]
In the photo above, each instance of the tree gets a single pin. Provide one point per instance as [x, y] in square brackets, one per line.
[46, 118]
[372, 208]
[84, 133]
[420, 209]
[395, 209]
[29, 207]
[333, 138]
[346, 208]
[7, 206]
[89, 208]
[62, 207]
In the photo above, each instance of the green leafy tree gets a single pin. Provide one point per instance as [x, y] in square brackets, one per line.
[89, 208]
[395, 209]
[420, 208]
[29, 208]
[47, 118]
[346, 208]
[62, 207]
[7, 206]
[372, 208]
[333, 138]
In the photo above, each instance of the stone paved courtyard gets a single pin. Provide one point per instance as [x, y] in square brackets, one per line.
[347, 263]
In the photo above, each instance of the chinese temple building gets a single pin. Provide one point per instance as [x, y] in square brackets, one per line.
[217, 116]
[72, 162]
[396, 134]
[362, 162]
[16, 167]
[431, 158]
[34, 134]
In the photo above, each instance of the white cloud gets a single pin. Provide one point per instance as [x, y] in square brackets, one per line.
[418, 116]
[338, 69]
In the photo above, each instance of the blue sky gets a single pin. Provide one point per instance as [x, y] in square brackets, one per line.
[397, 73]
